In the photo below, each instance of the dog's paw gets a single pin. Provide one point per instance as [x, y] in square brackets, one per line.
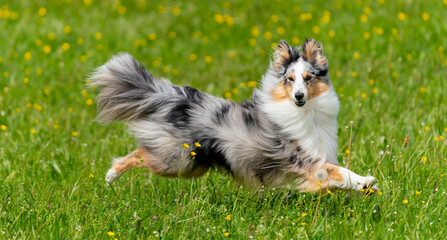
[366, 183]
[111, 176]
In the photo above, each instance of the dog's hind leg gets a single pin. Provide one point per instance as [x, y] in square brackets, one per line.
[143, 158]
[138, 158]
[333, 177]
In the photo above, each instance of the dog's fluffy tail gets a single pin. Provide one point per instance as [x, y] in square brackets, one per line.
[127, 89]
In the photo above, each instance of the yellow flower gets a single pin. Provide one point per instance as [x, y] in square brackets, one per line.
[328, 191]
[316, 29]
[356, 55]
[436, 139]
[3, 127]
[65, 47]
[98, 35]
[363, 95]
[331, 33]
[67, 29]
[42, 11]
[371, 190]
[402, 16]
[303, 214]
[274, 18]
[208, 59]
[91, 175]
[38, 42]
[426, 128]
[80, 41]
[303, 224]
[362, 190]
[27, 55]
[354, 74]
[280, 30]
[319, 184]
[193, 153]
[326, 19]
[268, 35]
[197, 144]
[87, 2]
[371, 82]
[227, 234]
[74, 134]
[185, 145]
[121, 10]
[219, 18]
[89, 101]
[192, 57]
[366, 35]
[32, 131]
[46, 49]
[425, 16]
[364, 18]
[252, 84]
[176, 11]
[252, 41]
[405, 201]
[422, 89]
[228, 217]
[418, 193]
[231, 54]
[375, 90]
[111, 234]
[254, 31]
[347, 151]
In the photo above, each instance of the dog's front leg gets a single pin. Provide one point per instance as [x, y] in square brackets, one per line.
[333, 177]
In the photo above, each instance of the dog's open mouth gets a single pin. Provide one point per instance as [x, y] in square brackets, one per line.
[300, 103]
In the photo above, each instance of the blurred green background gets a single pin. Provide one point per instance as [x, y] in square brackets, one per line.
[387, 64]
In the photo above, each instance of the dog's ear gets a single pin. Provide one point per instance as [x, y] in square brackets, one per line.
[313, 52]
[282, 55]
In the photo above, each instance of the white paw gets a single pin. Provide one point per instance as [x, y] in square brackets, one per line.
[365, 183]
[111, 176]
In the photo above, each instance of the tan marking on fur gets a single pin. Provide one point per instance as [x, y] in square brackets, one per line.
[314, 53]
[316, 87]
[281, 55]
[311, 183]
[142, 158]
[292, 75]
[281, 92]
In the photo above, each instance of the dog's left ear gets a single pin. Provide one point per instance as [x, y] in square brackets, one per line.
[313, 52]
[282, 55]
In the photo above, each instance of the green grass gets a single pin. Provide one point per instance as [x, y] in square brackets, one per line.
[54, 156]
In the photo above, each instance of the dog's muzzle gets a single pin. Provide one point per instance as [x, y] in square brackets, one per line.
[300, 103]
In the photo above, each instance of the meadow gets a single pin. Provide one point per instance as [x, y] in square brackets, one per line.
[387, 63]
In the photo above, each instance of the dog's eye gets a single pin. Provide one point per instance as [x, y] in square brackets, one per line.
[290, 79]
[308, 78]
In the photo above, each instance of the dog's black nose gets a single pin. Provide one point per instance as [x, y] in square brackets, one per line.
[299, 96]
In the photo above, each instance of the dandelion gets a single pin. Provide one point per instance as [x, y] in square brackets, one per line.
[375, 90]
[366, 35]
[371, 190]
[80, 41]
[379, 192]
[331, 33]
[280, 30]
[426, 128]
[303, 224]
[364, 18]
[425, 16]
[32, 131]
[422, 89]
[152, 36]
[97, 35]
[356, 55]
[354, 74]
[65, 47]
[51, 36]
[363, 95]
[121, 10]
[87, 2]
[89, 102]
[418, 193]
[27, 55]
[252, 84]
[254, 31]
[91, 175]
[405, 201]
[42, 11]
[3, 127]
[226, 234]
[252, 41]
[67, 29]
[208, 59]
[326, 18]
[228, 217]
[274, 18]
[316, 29]
[319, 184]
[192, 57]
[371, 82]
[185, 145]
[46, 49]
[436, 139]
[176, 11]
[74, 134]
[197, 144]
[111, 234]
[328, 191]
[402, 16]
[268, 35]
[303, 214]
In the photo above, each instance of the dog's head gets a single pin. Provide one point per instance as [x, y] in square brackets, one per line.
[301, 73]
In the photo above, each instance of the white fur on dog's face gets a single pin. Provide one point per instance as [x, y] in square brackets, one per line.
[299, 85]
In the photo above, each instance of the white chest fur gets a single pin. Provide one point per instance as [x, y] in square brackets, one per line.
[313, 125]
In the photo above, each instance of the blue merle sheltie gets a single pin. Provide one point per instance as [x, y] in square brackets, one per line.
[286, 136]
